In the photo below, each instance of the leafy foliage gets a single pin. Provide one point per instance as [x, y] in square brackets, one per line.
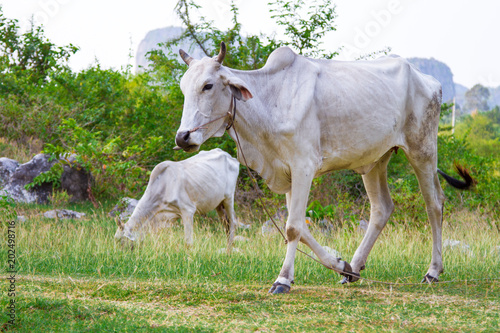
[481, 132]
[243, 52]
[305, 26]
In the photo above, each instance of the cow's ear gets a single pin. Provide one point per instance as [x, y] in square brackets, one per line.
[238, 88]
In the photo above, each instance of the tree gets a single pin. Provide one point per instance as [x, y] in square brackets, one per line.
[30, 53]
[476, 98]
[304, 26]
[481, 132]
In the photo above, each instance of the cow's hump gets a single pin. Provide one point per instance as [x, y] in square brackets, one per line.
[280, 59]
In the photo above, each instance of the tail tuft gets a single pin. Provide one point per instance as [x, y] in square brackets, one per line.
[468, 182]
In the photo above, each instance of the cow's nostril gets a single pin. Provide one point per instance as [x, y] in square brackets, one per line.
[182, 138]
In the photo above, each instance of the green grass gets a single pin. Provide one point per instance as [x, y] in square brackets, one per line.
[73, 276]
[64, 304]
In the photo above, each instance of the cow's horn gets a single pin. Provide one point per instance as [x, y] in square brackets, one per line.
[186, 57]
[222, 53]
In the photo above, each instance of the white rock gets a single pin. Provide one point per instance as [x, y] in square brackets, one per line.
[268, 228]
[7, 168]
[239, 238]
[124, 208]
[242, 225]
[362, 227]
[223, 250]
[63, 214]
[453, 244]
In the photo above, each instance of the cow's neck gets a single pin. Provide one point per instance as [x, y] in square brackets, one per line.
[142, 220]
[254, 127]
[134, 228]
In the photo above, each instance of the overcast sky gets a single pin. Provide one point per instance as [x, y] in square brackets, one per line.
[461, 33]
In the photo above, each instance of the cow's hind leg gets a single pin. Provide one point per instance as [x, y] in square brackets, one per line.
[381, 209]
[187, 220]
[225, 210]
[426, 171]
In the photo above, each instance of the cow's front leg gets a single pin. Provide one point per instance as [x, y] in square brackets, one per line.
[295, 226]
[296, 230]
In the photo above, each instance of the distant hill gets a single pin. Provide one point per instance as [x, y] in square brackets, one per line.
[440, 71]
[460, 91]
[494, 97]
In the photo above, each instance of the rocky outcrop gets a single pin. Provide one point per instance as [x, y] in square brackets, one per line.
[460, 90]
[7, 168]
[75, 181]
[14, 177]
[23, 175]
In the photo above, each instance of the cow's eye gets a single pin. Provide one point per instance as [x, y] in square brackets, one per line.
[207, 87]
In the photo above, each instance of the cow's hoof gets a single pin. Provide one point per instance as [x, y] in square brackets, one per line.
[429, 279]
[279, 288]
[349, 275]
[350, 278]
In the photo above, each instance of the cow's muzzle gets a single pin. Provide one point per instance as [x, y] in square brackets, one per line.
[182, 141]
[182, 138]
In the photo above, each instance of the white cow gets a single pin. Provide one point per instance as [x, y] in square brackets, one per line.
[300, 118]
[175, 190]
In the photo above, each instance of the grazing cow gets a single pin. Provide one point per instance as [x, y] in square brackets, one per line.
[175, 190]
[299, 118]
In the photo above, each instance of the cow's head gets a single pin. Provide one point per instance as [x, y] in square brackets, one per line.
[208, 88]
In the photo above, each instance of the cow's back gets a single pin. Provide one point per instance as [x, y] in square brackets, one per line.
[209, 178]
[366, 107]
[357, 86]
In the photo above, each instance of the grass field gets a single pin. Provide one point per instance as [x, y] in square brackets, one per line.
[73, 277]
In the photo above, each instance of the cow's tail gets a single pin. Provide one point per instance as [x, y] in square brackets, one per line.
[467, 183]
